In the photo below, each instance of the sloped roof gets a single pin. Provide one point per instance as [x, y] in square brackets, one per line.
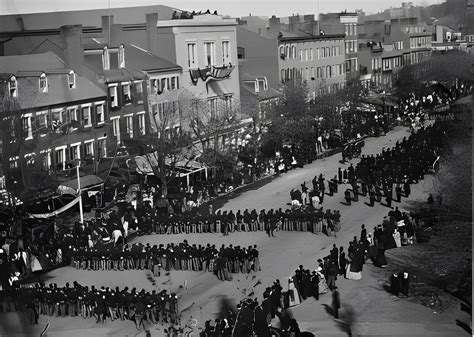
[140, 59]
[28, 68]
[136, 59]
[33, 62]
[87, 18]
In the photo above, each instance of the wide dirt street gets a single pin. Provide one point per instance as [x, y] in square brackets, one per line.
[366, 306]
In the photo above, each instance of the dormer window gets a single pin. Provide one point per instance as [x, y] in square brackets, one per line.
[12, 87]
[106, 59]
[262, 84]
[43, 83]
[121, 56]
[71, 79]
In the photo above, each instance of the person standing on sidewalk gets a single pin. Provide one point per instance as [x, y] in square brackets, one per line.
[336, 302]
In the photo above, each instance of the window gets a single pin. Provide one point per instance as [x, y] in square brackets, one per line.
[311, 56]
[101, 148]
[282, 76]
[306, 52]
[60, 156]
[241, 52]
[139, 92]
[43, 83]
[75, 152]
[318, 53]
[113, 96]
[12, 87]
[141, 123]
[46, 162]
[71, 114]
[164, 84]
[312, 73]
[86, 116]
[26, 126]
[301, 55]
[127, 96]
[225, 52]
[89, 148]
[209, 53]
[174, 83]
[56, 119]
[42, 118]
[71, 80]
[261, 85]
[129, 125]
[161, 110]
[99, 114]
[116, 127]
[293, 50]
[192, 55]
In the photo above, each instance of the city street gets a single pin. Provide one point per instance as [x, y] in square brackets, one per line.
[372, 310]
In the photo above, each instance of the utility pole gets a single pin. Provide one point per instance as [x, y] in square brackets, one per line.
[80, 193]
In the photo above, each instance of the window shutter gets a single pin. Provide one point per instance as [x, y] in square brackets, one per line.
[133, 92]
[119, 96]
[136, 129]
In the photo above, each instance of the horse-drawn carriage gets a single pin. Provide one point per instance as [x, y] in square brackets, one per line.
[352, 149]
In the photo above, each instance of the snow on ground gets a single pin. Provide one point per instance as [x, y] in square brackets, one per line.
[374, 312]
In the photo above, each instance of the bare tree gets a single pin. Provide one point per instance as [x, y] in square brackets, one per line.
[167, 146]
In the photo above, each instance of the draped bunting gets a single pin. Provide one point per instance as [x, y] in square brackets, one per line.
[215, 73]
[56, 212]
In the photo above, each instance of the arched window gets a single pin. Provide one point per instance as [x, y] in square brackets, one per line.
[293, 49]
[71, 79]
[328, 71]
[121, 56]
[318, 72]
[288, 51]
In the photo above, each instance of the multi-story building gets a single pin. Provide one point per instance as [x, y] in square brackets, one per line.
[344, 23]
[318, 60]
[385, 46]
[57, 121]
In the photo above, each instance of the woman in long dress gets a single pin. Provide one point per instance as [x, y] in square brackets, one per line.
[322, 286]
[397, 239]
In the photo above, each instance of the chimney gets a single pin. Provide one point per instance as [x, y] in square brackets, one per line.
[274, 24]
[107, 23]
[73, 53]
[152, 33]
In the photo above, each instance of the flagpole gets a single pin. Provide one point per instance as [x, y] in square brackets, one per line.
[80, 193]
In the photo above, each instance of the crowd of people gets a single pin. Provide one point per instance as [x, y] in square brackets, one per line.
[142, 307]
[158, 258]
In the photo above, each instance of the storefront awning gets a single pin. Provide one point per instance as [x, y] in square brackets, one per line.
[87, 182]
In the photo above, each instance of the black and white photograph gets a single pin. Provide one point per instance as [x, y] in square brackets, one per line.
[236, 168]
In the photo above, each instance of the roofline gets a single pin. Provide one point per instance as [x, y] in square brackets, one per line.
[47, 31]
[312, 37]
[162, 70]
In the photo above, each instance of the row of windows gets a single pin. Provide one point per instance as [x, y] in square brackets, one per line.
[125, 93]
[387, 63]
[66, 156]
[165, 83]
[351, 46]
[420, 42]
[127, 124]
[209, 54]
[78, 116]
[289, 52]
[309, 73]
[350, 28]
[42, 83]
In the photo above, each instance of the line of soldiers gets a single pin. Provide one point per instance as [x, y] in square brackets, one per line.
[140, 306]
[157, 258]
[394, 170]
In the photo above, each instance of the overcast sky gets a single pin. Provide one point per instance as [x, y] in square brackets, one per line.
[236, 8]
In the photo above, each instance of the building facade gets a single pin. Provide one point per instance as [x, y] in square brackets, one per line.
[317, 60]
[57, 121]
